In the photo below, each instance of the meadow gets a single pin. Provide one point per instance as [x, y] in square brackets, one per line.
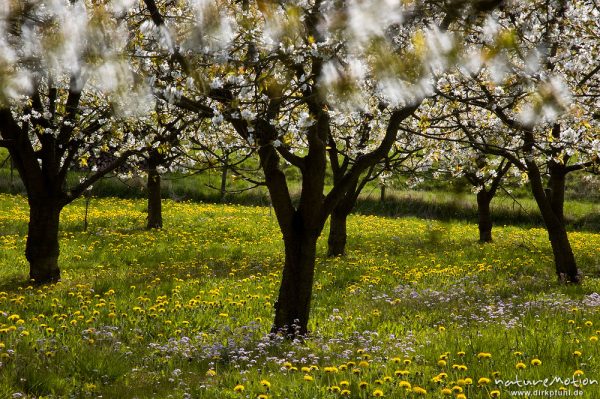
[418, 308]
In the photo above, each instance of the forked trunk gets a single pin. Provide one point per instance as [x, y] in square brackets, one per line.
[293, 303]
[485, 216]
[42, 247]
[551, 205]
[154, 196]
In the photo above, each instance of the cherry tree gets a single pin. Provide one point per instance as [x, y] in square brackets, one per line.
[64, 87]
[277, 72]
[531, 99]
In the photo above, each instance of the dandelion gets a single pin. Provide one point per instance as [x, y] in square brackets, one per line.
[263, 396]
[484, 355]
[578, 373]
[536, 362]
[419, 391]
[495, 394]
[211, 373]
[577, 353]
[441, 363]
[461, 396]
[345, 392]
[344, 384]
[239, 388]
[594, 338]
[404, 384]
[308, 378]
[520, 366]
[363, 385]
[483, 381]
[334, 389]
[265, 384]
[446, 392]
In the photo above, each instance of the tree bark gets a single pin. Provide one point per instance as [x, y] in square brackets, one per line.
[155, 220]
[42, 248]
[293, 303]
[551, 204]
[223, 188]
[336, 241]
[485, 216]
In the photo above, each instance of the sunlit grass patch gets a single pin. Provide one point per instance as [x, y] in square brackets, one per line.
[417, 309]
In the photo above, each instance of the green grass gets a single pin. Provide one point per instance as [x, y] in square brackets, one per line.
[185, 311]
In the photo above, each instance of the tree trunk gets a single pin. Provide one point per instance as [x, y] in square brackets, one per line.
[154, 194]
[337, 234]
[293, 303]
[485, 216]
[551, 203]
[223, 188]
[382, 193]
[42, 248]
[564, 259]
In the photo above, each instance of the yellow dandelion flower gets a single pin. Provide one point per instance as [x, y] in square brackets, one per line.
[419, 391]
[404, 384]
[483, 381]
[536, 362]
[577, 353]
[239, 388]
[265, 384]
[495, 394]
[345, 392]
[344, 384]
[441, 363]
[363, 384]
[378, 393]
[446, 391]
[520, 366]
[308, 378]
[578, 373]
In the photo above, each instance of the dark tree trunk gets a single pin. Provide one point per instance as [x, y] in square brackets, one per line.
[382, 193]
[551, 204]
[564, 259]
[154, 194]
[337, 233]
[42, 247]
[485, 216]
[293, 303]
[223, 188]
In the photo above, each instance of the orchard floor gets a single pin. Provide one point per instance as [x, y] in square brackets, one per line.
[416, 309]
